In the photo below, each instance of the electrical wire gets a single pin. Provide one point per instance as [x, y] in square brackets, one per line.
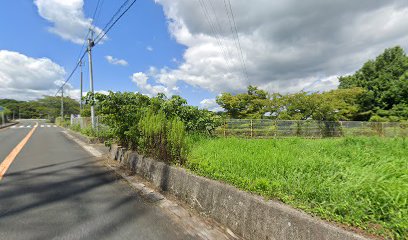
[106, 29]
[237, 39]
[214, 32]
[100, 36]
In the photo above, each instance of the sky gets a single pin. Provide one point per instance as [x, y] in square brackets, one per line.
[194, 48]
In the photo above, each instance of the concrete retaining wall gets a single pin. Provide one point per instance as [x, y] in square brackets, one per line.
[245, 214]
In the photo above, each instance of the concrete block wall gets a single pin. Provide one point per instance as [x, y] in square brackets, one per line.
[247, 215]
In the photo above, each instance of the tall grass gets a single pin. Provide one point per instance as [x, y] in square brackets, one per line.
[163, 138]
[362, 182]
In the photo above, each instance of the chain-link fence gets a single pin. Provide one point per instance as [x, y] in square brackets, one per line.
[267, 128]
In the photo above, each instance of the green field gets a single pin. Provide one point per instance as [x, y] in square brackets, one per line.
[361, 182]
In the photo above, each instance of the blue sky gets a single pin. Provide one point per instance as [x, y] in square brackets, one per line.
[143, 27]
[195, 48]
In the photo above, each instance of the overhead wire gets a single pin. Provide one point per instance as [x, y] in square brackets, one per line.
[107, 28]
[236, 36]
[101, 35]
[214, 32]
[82, 48]
[220, 29]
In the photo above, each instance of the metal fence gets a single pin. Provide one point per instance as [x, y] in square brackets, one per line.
[267, 128]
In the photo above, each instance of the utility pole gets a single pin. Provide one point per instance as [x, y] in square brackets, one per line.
[62, 104]
[91, 86]
[80, 101]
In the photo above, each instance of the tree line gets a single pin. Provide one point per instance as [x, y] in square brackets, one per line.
[376, 92]
[48, 107]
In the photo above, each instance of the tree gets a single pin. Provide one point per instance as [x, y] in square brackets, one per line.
[252, 104]
[46, 107]
[385, 82]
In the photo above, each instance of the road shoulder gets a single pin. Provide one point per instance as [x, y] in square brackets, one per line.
[191, 221]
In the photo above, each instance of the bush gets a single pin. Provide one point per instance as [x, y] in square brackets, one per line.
[157, 126]
[75, 127]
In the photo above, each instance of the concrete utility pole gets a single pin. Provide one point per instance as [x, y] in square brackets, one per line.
[90, 45]
[80, 101]
[62, 104]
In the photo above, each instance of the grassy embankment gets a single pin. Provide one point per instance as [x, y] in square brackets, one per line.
[362, 182]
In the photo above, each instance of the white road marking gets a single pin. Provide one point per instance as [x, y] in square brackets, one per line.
[48, 126]
[28, 126]
[42, 126]
[54, 126]
[21, 126]
[85, 146]
[13, 126]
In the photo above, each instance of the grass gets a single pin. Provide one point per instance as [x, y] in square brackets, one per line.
[361, 182]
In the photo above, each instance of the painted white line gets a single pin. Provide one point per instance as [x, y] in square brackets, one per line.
[85, 146]
[13, 126]
[54, 125]
[28, 126]
[42, 126]
[21, 126]
[48, 126]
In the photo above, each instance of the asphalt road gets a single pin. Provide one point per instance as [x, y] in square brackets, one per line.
[55, 190]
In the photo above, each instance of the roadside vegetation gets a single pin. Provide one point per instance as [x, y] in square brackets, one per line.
[359, 181]
[362, 182]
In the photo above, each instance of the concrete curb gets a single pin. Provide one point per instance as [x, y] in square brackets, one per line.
[8, 125]
[196, 226]
[81, 137]
[245, 214]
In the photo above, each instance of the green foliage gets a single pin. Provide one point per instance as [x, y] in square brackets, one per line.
[334, 105]
[162, 138]
[75, 127]
[361, 182]
[156, 126]
[385, 80]
[176, 140]
[46, 107]
[245, 105]
[65, 123]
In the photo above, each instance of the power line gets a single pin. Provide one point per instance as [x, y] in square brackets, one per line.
[82, 48]
[213, 30]
[89, 30]
[95, 19]
[105, 30]
[237, 37]
[220, 30]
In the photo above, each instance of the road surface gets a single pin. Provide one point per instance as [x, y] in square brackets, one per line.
[53, 189]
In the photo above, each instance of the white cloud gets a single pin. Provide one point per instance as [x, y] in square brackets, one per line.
[141, 80]
[67, 17]
[211, 105]
[149, 48]
[116, 61]
[287, 45]
[26, 78]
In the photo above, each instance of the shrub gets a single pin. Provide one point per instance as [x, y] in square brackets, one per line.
[75, 127]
